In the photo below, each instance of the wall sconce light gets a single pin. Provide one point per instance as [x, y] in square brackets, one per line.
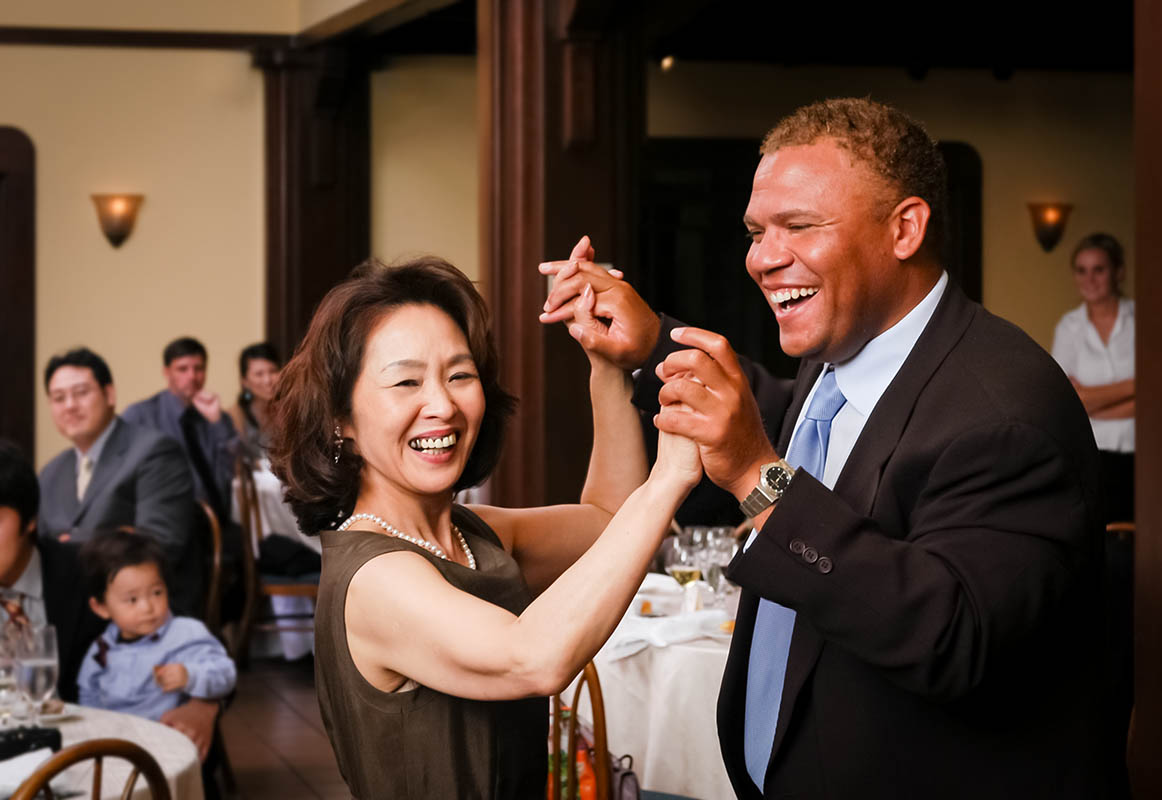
[1049, 222]
[117, 213]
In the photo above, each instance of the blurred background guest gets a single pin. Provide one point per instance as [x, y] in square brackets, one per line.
[1094, 344]
[258, 367]
[193, 416]
[116, 473]
[40, 578]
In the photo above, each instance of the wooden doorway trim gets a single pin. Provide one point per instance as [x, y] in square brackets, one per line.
[18, 288]
[1145, 767]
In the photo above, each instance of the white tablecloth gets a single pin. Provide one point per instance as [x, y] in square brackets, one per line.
[174, 753]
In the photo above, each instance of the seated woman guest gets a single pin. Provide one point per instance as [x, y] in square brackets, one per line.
[1094, 344]
[258, 367]
[432, 655]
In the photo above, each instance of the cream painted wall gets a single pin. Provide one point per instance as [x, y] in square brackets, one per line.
[185, 129]
[423, 160]
[1041, 136]
[249, 16]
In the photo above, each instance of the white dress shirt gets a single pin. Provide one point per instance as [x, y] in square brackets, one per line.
[863, 380]
[96, 448]
[1078, 348]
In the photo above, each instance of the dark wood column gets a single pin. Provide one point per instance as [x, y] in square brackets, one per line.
[561, 114]
[18, 289]
[318, 195]
[1145, 766]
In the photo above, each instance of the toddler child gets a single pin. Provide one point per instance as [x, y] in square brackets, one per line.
[147, 661]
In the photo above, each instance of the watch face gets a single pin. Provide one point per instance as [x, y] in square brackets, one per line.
[778, 478]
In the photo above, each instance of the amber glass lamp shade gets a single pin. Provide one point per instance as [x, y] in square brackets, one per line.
[117, 213]
[1049, 222]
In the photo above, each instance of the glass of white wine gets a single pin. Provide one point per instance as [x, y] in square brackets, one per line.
[682, 563]
[37, 667]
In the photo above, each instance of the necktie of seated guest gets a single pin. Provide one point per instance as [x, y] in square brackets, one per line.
[189, 422]
[13, 605]
[774, 623]
[84, 476]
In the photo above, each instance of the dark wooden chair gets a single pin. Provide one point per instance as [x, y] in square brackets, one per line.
[212, 611]
[98, 750]
[564, 719]
[260, 586]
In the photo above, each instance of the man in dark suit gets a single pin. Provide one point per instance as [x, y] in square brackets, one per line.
[921, 592]
[41, 576]
[116, 473]
[193, 417]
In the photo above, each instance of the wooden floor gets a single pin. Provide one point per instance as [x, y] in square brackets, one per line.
[275, 738]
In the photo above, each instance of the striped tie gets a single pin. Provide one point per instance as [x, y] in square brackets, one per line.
[84, 475]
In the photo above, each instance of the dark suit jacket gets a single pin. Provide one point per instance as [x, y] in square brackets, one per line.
[141, 480]
[218, 442]
[948, 590]
[66, 604]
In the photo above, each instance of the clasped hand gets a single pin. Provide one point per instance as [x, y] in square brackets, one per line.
[705, 398]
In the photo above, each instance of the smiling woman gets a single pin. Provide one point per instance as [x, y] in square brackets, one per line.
[433, 657]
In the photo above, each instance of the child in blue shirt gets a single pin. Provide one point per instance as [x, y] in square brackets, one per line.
[147, 661]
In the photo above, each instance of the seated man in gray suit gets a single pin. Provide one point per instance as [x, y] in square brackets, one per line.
[116, 473]
[186, 412]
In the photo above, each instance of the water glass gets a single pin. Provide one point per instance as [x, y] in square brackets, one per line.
[36, 667]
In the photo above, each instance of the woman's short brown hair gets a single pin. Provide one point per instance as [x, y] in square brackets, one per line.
[314, 388]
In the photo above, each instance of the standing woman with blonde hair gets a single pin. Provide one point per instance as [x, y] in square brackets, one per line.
[1094, 344]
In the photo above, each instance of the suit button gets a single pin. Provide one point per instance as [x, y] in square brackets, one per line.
[797, 546]
[824, 565]
[810, 555]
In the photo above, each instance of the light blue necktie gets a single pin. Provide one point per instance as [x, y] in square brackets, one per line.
[773, 625]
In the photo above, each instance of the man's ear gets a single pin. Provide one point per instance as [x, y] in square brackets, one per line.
[910, 221]
[99, 608]
[111, 396]
[30, 529]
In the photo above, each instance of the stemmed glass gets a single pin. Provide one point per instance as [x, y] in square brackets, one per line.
[36, 667]
[681, 562]
[8, 692]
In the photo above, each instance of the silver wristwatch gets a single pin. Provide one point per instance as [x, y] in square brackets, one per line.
[774, 478]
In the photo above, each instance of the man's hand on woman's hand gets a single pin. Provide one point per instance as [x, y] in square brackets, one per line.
[707, 398]
[619, 326]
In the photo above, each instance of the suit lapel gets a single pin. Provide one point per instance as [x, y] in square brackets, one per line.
[111, 459]
[859, 480]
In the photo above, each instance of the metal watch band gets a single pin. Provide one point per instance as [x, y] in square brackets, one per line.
[755, 503]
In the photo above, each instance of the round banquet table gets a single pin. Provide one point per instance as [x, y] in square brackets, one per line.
[660, 707]
[173, 751]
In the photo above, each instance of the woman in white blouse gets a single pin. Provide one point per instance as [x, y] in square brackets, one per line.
[1094, 344]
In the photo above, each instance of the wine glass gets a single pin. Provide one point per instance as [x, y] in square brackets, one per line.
[681, 562]
[36, 667]
[8, 691]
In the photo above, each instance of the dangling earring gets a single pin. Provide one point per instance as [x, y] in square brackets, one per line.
[338, 443]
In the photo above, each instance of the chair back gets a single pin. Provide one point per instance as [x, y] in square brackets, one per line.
[97, 749]
[1121, 530]
[251, 523]
[213, 608]
[564, 718]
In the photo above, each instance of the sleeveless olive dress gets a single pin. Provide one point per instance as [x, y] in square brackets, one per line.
[423, 744]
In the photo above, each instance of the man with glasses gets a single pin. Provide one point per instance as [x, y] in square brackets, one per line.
[116, 473]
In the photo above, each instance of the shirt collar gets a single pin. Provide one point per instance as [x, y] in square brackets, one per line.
[31, 581]
[112, 632]
[98, 446]
[864, 378]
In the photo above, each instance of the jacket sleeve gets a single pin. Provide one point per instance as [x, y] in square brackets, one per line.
[165, 498]
[999, 537]
[211, 670]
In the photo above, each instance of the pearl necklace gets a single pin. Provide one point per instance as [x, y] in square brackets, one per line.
[431, 547]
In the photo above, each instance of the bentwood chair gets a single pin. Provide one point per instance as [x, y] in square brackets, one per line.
[564, 719]
[98, 750]
[261, 586]
[213, 553]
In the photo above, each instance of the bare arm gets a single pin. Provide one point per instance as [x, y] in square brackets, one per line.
[1102, 396]
[404, 619]
[1122, 410]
